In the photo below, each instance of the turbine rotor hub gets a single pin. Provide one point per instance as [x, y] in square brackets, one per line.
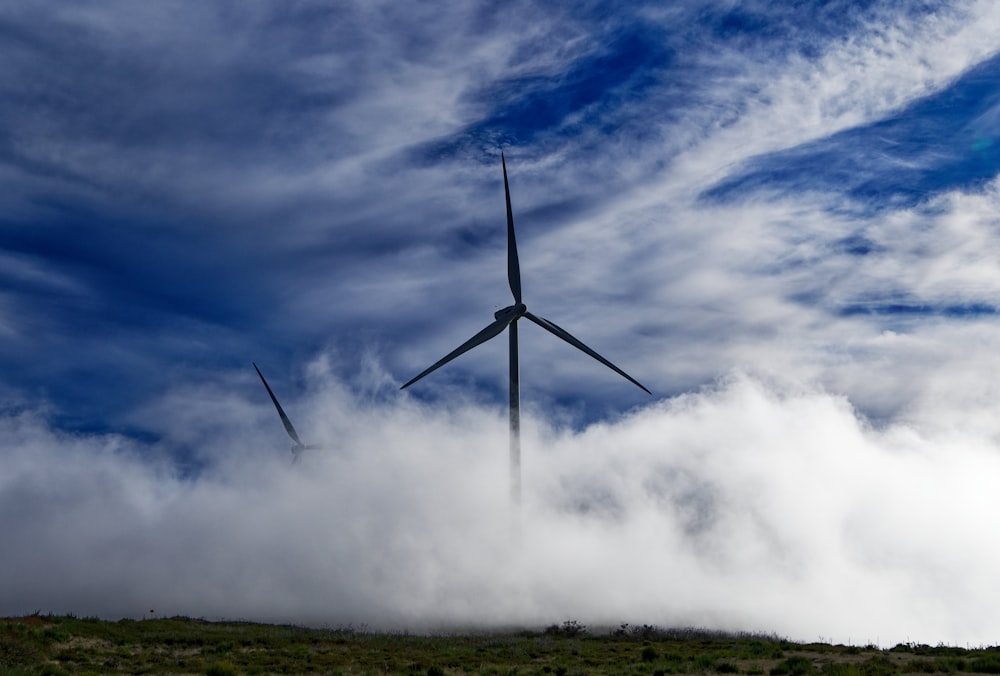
[511, 312]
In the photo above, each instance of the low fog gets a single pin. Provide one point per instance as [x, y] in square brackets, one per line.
[746, 506]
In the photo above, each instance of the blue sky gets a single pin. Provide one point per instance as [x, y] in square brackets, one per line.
[271, 183]
[746, 205]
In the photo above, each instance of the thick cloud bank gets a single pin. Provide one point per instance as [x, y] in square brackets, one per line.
[745, 507]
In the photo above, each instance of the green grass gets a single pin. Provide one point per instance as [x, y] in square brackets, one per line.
[39, 644]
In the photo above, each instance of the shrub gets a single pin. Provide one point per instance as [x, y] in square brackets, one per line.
[50, 670]
[15, 649]
[705, 662]
[646, 632]
[922, 667]
[794, 666]
[985, 665]
[569, 629]
[878, 666]
[649, 654]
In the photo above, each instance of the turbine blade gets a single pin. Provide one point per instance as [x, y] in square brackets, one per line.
[560, 332]
[490, 331]
[513, 268]
[284, 418]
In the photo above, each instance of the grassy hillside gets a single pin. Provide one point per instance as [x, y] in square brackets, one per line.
[39, 644]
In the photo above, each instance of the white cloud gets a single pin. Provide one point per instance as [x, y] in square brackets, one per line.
[741, 507]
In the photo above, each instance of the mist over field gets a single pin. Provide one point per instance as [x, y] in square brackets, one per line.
[745, 507]
[781, 218]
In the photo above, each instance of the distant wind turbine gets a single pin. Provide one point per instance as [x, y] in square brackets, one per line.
[507, 318]
[298, 446]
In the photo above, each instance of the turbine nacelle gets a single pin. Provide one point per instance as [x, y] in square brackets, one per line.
[510, 313]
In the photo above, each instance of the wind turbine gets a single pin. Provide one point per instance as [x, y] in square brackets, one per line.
[298, 446]
[507, 319]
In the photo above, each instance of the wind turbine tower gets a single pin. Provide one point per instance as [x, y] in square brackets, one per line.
[507, 319]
